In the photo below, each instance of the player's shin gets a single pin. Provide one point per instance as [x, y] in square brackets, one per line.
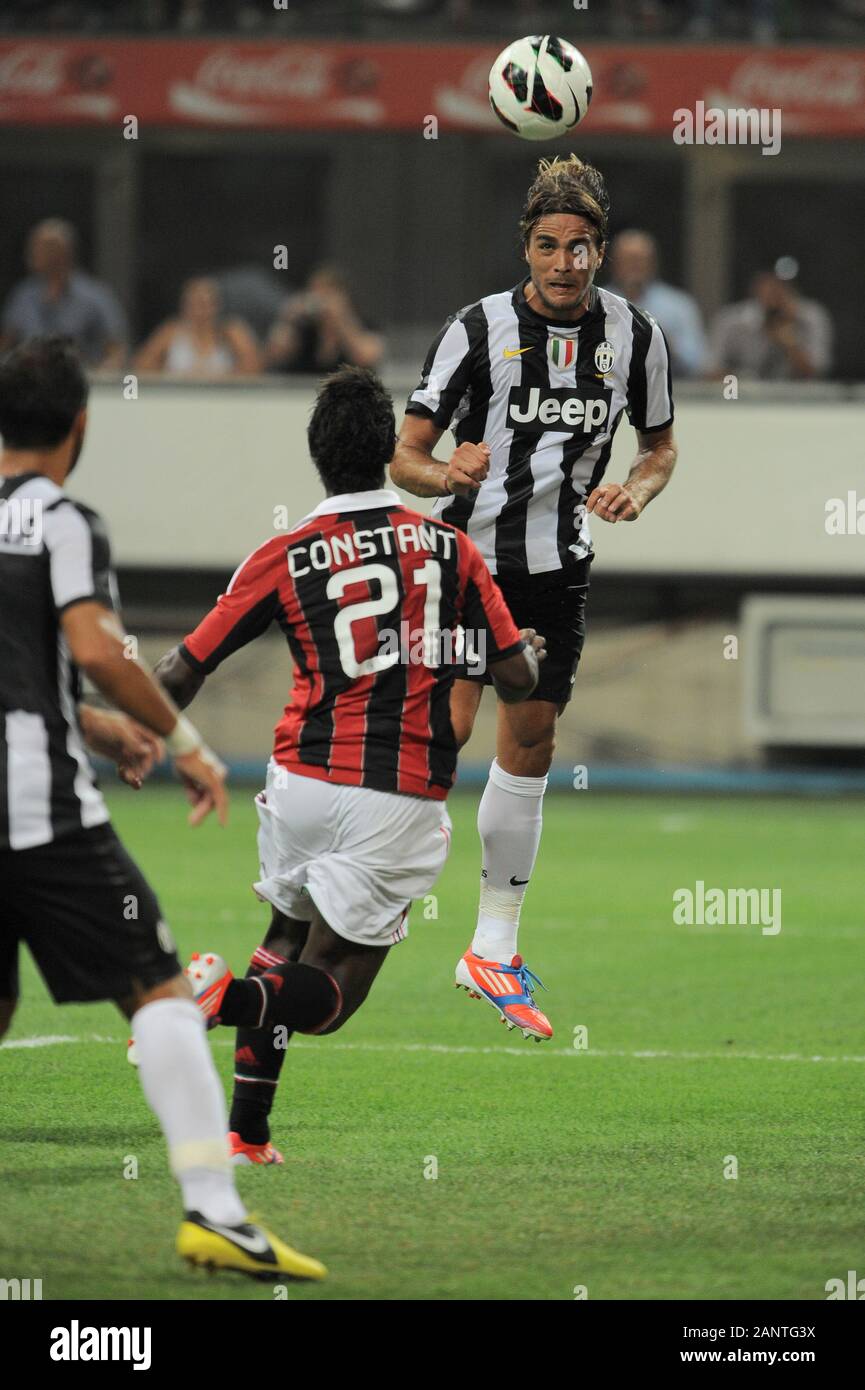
[509, 825]
[258, 1057]
[184, 1091]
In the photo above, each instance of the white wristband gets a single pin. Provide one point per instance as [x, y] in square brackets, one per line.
[184, 738]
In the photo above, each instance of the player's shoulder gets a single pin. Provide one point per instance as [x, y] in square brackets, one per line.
[267, 554]
[616, 307]
[64, 515]
[483, 310]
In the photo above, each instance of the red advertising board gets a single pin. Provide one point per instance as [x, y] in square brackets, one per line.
[242, 85]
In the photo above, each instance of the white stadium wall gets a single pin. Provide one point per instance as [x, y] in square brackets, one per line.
[190, 476]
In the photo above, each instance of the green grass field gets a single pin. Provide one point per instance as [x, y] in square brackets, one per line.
[556, 1168]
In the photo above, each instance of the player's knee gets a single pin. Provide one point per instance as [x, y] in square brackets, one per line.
[462, 731]
[535, 748]
[178, 987]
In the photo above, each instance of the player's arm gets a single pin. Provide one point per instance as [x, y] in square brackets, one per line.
[242, 613]
[414, 468]
[134, 749]
[95, 641]
[650, 410]
[177, 677]
[445, 381]
[515, 677]
[649, 475]
[83, 592]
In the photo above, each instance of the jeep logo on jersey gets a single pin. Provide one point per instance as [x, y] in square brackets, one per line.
[561, 351]
[604, 357]
[535, 409]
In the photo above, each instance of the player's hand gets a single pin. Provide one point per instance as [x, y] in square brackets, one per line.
[468, 466]
[134, 749]
[613, 502]
[534, 640]
[141, 752]
[203, 777]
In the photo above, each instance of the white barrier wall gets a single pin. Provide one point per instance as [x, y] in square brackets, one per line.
[192, 475]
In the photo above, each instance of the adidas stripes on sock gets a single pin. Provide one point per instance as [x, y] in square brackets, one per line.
[258, 1057]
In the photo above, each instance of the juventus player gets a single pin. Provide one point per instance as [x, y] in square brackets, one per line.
[67, 882]
[352, 821]
[533, 382]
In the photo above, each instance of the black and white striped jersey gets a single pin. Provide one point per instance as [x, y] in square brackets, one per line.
[547, 398]
[53, 553]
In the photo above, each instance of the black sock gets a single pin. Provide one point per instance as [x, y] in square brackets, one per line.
[257, 1064]
[295, 996]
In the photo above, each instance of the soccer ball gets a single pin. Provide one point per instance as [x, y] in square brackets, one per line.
[540, 87]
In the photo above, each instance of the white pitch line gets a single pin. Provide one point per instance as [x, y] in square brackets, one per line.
[52, 1040]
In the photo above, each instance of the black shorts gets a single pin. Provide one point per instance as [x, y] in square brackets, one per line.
[555, 606]
[88, 915]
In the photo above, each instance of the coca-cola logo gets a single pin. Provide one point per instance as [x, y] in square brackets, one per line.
[834, 81]
[287, 72]
[32, 71]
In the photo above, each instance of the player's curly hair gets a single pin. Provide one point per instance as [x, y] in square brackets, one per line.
[352, 431]
[567, 185]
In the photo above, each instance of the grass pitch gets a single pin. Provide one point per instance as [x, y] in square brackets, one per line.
[556, 1168]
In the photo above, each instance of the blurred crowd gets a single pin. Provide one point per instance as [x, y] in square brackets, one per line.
[242, 329]
[239, 324]
[760, 20]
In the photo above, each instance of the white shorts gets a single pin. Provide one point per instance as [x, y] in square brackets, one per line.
[360, 856]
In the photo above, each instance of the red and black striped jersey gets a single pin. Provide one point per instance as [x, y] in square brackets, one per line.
[369, 595]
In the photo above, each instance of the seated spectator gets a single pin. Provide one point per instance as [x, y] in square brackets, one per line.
[319, 330]
[633, 262]
[58, 299]
[200, 343]
[773, 336]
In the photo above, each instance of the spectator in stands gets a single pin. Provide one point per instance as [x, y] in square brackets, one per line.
[775, 335]
[57, 298]
[633, 264]
[200, 342]
[319, 329]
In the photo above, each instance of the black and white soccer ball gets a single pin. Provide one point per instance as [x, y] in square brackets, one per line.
[540, 87]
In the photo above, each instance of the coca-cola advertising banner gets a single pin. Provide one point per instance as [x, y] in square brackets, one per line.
[246, 85]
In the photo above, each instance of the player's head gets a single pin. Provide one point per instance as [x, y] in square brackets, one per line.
[352, 432]
[43, 400]
[564, 230]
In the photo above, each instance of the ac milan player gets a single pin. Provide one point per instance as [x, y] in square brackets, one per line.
[533, 382]
[353, 824]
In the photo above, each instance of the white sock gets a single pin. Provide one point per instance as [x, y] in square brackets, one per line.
[185, 1093]
[509, 824]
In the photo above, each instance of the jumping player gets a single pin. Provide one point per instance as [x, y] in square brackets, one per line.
[353, 823]
[533, 382]
[66, 879]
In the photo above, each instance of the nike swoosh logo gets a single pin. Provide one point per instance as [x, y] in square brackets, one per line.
[256, 1244]
[515, 352]
[518, 882]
